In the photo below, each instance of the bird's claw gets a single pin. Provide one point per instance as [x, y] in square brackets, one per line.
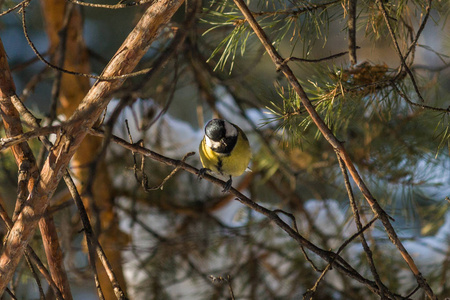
[227, 185]
[202, 172]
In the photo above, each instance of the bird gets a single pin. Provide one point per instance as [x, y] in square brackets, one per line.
[224, 150]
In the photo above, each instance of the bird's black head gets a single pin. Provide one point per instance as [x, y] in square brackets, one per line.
[215, 130]
[221, 135]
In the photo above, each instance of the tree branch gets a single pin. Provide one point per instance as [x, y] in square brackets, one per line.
[334, 142]
[399, 51]
[352, 31]
[335, 260]
[125, 60]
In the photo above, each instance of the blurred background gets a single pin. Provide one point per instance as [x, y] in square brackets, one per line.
[186, 239]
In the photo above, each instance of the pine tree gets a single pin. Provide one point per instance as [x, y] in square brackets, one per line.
[346, 107]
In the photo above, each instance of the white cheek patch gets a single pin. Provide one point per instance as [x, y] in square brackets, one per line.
[211, 144]
[230, 130]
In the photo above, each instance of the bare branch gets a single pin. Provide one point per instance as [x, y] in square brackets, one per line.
[337, 262]
[8, 142]
[92, 242]
[39, 55]
[114, 6]
[352, 31]
[359, 226]
[399, 51]
[125, 60]
[17, 6]
[318, 59]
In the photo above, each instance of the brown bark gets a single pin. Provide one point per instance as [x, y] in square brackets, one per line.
[28, 176]
[72, 89]
[93, 104]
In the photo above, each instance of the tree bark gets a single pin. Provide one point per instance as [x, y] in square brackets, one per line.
[84, 117]
[64, 26]
[28, 176]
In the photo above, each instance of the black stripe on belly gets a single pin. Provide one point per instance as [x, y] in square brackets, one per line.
[219, 165]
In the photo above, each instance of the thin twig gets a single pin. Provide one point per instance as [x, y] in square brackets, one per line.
[296, 11]
[423, 106]
[11, 294]
[292, 58]
[419, 31]
[413, 292]
[230, 287]
[18, 5]
[359, 226]
[36, 277]
[87, 231]
[334, 142]
[221, 280]
[174, 171]
[192, 7]
[60, 57]
[7, 142]
[113, 6]
[311, 291]
[291, 216]
[315, 268]
[91, 238]
[105, 78]
[399, 51]
[336, 261]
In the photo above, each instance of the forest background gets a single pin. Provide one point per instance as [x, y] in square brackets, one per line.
[346, 105]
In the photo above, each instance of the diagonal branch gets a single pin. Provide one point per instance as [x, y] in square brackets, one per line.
[335, 143]
[419, 31]
[399, 51]
[28, 177]
[29, 252]
[332, 258]
[92, 242]
[359, 227]
[123, 62]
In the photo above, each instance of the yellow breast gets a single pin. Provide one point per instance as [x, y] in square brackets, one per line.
[233, 163]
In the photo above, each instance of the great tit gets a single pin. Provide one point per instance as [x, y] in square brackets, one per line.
[224, 150]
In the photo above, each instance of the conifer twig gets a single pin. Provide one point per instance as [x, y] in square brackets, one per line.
[333, 56]
[335, 143]
[398, 50]
[359, 226]
[361, 230]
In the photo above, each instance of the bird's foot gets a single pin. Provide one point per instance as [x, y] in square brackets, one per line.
[202, 172]
[227, 186]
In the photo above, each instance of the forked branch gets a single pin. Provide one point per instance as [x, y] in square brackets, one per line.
[334, 142]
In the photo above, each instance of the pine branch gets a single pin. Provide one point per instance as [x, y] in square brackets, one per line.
[335, 143]
[28, 178]
[335, 260]
[126, 58]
